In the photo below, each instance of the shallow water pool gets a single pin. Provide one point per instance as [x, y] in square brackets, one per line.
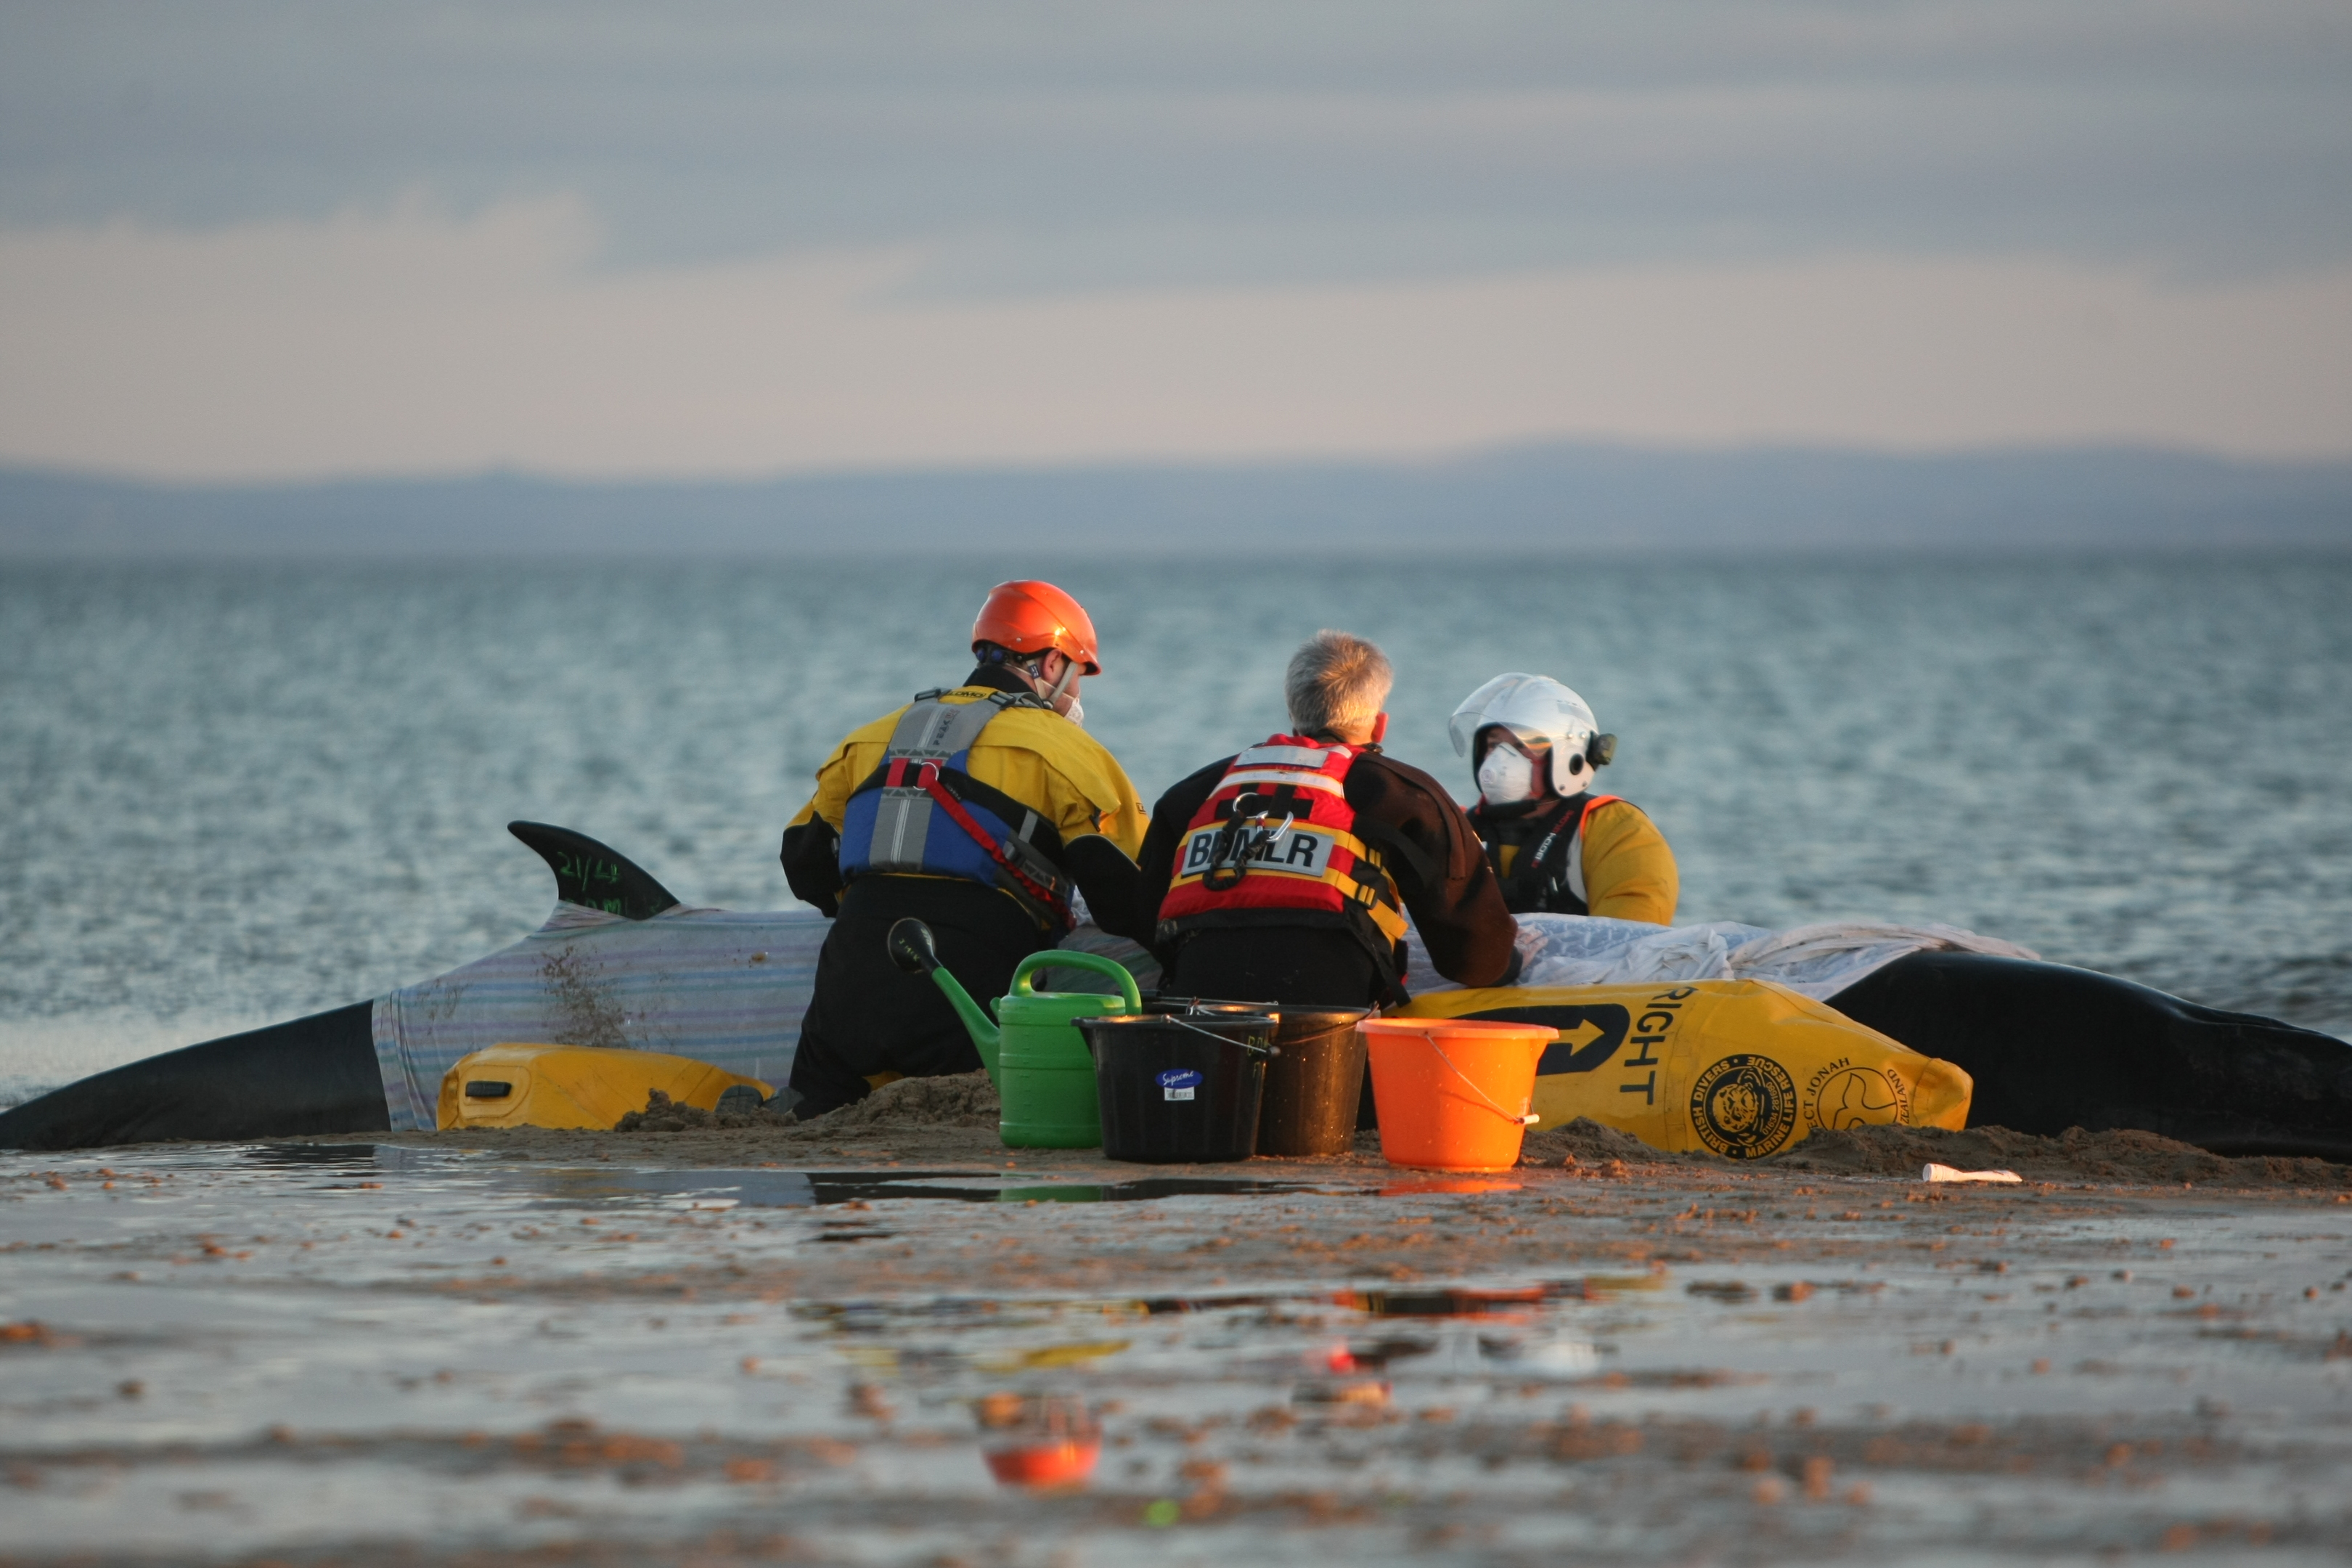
[367, 1353]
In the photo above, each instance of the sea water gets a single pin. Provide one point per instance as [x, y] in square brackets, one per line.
[236, 793]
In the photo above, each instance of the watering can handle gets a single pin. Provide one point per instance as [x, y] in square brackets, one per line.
[1062, 958]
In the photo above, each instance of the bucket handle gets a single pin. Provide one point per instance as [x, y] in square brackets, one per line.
[1527, 1121]
[1346, 1028]
[1071, 958]
[1250, 1048]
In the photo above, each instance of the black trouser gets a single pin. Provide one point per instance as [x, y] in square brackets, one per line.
[2051, 1048]
[1298, 965]
[314, 1075]
[868, 1016]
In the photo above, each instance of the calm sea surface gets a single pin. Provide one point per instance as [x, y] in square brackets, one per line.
[237, 795]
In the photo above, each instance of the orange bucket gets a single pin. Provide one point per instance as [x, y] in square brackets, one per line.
[1056, 1462]
[1039, 1441]
[1454, 1092]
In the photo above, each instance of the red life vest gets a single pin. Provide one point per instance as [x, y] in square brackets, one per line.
[1275, 845]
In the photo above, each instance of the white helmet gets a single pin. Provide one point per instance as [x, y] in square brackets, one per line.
[1539, 710]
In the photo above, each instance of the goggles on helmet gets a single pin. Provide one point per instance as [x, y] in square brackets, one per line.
[1534, 742]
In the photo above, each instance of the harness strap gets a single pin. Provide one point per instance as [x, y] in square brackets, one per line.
[1533, 875]
[930, 729]
[1575, 806]
[1409, 855]
[931, 735]
[928, 781]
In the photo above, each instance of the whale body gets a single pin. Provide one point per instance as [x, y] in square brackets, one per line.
[622, 963]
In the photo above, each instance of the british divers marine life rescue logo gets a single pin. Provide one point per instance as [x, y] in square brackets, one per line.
[1744, 1107]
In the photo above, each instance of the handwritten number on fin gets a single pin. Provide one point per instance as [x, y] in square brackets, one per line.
[590, 874]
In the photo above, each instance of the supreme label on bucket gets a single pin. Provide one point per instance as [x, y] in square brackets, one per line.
[1177, 1083]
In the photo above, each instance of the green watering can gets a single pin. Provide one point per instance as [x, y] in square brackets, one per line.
[1038, 1062]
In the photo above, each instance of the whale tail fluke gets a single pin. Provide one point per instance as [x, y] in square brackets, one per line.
[589, 874]
[310, 1076]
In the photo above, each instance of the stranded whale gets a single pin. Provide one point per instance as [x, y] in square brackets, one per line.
[621, 961]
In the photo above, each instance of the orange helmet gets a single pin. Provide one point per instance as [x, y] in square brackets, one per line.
[1030, 617]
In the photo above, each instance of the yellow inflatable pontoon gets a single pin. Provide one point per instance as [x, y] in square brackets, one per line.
[573, 1085]
[1740, 1068]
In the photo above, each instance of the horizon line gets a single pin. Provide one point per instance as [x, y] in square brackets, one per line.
[1403, 463]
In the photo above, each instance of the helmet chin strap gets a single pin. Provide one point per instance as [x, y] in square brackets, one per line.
[1058, 697]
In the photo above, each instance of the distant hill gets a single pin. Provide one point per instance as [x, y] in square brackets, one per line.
[1583, 498]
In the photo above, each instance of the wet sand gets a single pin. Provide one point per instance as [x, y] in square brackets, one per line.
[767, 1343]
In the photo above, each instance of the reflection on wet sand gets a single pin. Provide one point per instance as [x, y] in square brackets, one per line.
[394, 1352]
[1039, 1441]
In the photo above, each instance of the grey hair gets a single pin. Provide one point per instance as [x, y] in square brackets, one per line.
[1335, 680]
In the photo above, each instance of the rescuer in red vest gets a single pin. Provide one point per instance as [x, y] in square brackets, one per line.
[1285, 873]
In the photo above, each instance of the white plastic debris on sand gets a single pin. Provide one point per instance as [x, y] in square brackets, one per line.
[1934, 1172]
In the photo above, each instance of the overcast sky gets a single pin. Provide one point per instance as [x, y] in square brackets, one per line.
[256, 240]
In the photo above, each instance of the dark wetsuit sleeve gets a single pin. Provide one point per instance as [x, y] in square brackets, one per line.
[811, 861]
[1106, 876]
[1156, 867]
[1459, 909]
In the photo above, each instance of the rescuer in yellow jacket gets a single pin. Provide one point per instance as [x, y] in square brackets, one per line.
[1558, 847]
[974, 809]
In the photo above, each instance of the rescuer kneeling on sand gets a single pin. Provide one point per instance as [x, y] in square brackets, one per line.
[973, 810]
[1557, 847]
[1284, 874]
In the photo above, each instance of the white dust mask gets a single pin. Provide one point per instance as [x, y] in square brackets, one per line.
[1076, 712]
[1507, 777]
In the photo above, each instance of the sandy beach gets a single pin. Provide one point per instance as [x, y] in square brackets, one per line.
[824, 1343]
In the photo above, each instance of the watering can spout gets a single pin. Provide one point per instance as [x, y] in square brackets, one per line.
[913, 950]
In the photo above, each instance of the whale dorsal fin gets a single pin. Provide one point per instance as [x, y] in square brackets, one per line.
[589, 874]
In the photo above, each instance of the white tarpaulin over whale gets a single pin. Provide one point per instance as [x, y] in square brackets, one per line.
[729, 987]
[722, 986]
[1819, 961]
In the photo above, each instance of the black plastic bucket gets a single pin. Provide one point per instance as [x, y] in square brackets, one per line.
[1313, 1087]
[1177, 1089]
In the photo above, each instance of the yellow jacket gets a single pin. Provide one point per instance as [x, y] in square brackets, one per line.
[1039, 758]
[1628, 871]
